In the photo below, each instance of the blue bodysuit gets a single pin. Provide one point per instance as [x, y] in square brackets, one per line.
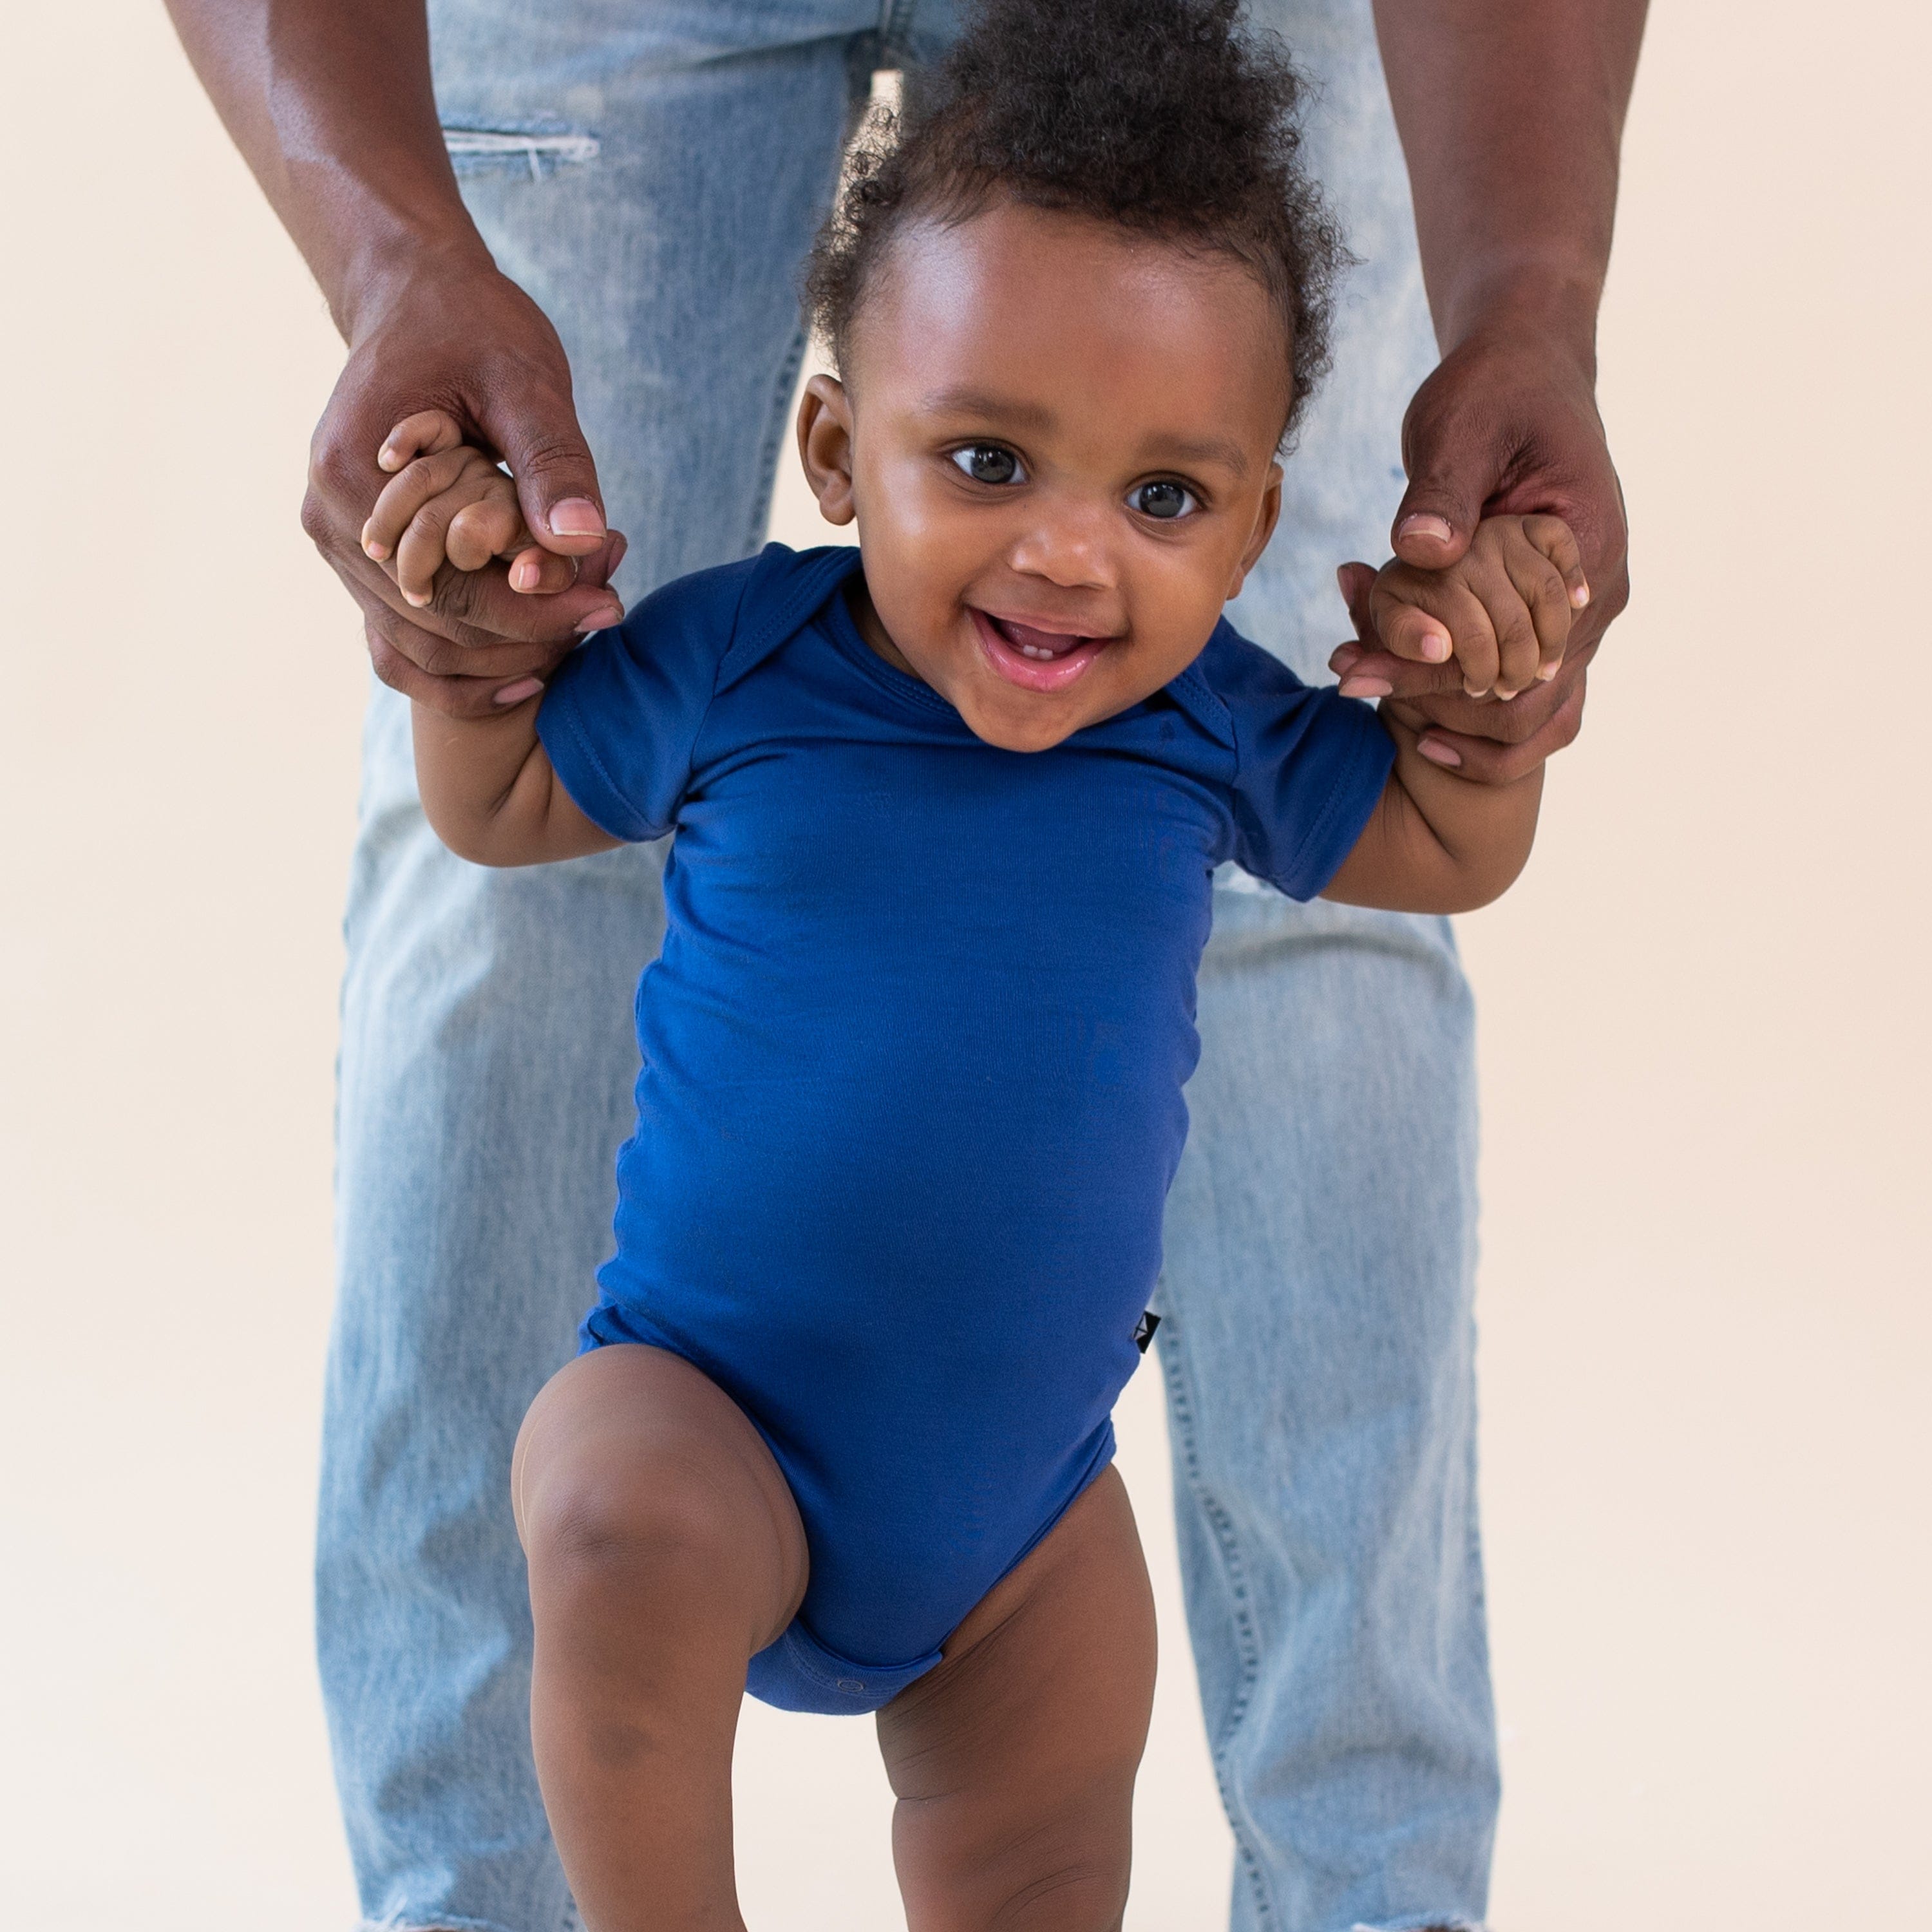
[913, 1052]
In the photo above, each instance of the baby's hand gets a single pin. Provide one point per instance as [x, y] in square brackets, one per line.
[1503, 611]
[449, 502]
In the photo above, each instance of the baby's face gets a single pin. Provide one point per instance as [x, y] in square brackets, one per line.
[1058, 440]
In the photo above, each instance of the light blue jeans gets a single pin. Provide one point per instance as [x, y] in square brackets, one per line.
[651, 171]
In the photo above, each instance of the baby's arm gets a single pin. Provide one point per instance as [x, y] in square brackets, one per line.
[1438, 842]
[488, 787]
[491, 793]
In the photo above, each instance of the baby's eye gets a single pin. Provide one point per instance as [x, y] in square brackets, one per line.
[988, 463]
[1166, 501]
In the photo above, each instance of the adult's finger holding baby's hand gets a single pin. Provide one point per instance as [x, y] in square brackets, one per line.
[1507, 741]
[471, 347]
[535, 571]
[458, 681]
[1367, 667]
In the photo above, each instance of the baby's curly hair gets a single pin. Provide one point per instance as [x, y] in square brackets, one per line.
[1163, 116]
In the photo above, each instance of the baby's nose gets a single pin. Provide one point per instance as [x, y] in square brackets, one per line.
[1071, 548]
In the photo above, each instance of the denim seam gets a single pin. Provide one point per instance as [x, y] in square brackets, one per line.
[1181, 1409]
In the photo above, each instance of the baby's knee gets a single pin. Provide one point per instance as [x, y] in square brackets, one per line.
[592, 1533]
[645, 1500]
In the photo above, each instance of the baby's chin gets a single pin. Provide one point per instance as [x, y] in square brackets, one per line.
[1013, 738]
[1032, 723]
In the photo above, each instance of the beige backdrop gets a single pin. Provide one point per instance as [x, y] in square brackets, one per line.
[1703, 1057]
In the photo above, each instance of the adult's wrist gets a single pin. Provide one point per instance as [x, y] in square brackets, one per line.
[392, 259]
[1550, 300]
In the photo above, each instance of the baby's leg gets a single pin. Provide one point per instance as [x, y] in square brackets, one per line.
[1014, 1760]
[665, 1549]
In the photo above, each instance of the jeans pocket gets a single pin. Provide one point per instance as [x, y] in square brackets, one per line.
[541, 146]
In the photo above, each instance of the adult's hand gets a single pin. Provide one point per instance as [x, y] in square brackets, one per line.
[335, 110]
[1510, 118]
[461, 337]
[1507, 424]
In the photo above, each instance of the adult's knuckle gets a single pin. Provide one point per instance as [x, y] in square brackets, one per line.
[458, 603]
[389, 664]
[334, 472]
[549, 449]
[1518, 721]
[314, 519]
[439, 655]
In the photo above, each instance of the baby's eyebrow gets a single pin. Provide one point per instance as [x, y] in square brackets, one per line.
[1208, 449]
[964, 402]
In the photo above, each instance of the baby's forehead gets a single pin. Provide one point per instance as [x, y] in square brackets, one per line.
[1026, 302]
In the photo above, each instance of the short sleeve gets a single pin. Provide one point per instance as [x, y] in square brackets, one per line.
[1310, 766]
[623, 712]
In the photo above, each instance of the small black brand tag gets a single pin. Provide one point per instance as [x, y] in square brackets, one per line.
[1143, 1330]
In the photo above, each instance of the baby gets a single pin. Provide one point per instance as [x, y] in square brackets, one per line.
[945, 811]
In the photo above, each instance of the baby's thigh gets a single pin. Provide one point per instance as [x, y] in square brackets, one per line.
[1014, 1760]
[637, 1479]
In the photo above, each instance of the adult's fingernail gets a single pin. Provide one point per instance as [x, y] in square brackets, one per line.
[525, 576]
[576, 517]
[524, 687]
[600, 620]
[1343, 656]
[1544, 673]
[1471, 689]
[1434, 527]
[1437, 753]
[1435, 647]
[1580, 595]
[1367, 687]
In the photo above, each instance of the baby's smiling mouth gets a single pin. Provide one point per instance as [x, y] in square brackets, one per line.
[1031, 642]
[1033, 659]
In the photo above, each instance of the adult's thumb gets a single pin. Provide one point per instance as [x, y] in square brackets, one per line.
[555, 475]
[1453, 472]
[1436, 518]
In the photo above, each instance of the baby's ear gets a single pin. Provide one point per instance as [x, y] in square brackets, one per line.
[825, 446]
[1266, 517]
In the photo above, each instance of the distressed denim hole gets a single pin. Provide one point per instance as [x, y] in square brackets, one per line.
[541, 147]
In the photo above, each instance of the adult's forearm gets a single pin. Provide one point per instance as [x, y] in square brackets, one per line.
[332, 106]
[1511, 113]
